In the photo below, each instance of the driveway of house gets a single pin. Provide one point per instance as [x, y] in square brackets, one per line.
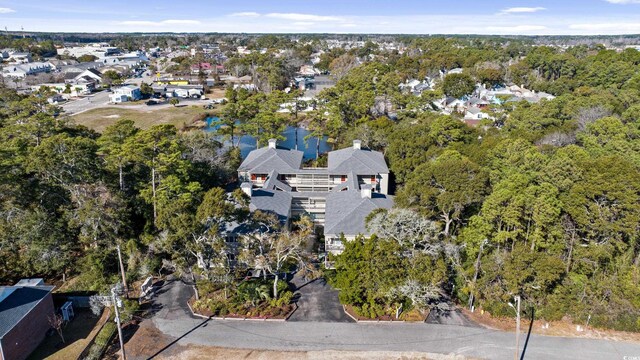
[317, 301]
[174, 321]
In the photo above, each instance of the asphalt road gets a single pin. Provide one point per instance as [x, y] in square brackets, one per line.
[96, 100]
[174, 320]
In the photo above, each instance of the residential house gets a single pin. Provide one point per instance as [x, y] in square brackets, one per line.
[193, 91]
[58, 64]
[20, 57]
[308, 70]
[68, 88]
[475, 113]
[337, 198]
[204, 67]
[416, 87]
[91, 74]
[23, 70]
[242, 50]
[80, 67]
[125, 93]
[24, 312]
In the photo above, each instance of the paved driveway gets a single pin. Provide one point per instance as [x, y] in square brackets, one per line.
[173, 320]
[317, 301]
[96, 100]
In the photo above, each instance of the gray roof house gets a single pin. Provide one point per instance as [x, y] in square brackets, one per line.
[24, 311]
[338, 197]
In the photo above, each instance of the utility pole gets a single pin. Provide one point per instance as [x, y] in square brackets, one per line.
[517, 299]
[115, 306]
[124, 279]
[475, 275]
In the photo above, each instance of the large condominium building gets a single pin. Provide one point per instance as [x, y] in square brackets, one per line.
[338, 197]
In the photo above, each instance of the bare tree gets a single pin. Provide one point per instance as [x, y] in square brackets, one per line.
[420, 294]
[557, 139]
[271, 251]
[341, 66]
[586, 116]
[56, 322]
[408, 228]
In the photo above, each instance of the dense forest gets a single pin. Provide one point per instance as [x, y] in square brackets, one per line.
[543, 202]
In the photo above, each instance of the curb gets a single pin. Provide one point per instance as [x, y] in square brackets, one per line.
[371, 321]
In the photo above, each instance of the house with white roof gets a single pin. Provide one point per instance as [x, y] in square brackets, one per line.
[22, 70]
[125, 93]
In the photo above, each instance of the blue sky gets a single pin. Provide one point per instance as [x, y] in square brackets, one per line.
[525, 17]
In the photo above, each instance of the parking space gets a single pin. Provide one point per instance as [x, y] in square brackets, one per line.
[317, 301]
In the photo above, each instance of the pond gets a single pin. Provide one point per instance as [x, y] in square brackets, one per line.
[294, 137]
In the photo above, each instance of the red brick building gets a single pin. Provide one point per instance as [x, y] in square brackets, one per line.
[24, 312]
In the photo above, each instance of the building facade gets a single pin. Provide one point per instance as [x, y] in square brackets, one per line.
[337, 198]
[24, 312]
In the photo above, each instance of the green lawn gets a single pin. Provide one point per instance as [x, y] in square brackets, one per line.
[99, 119]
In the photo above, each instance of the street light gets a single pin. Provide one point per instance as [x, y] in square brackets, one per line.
[517, 310]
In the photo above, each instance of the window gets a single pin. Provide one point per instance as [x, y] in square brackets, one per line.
[373, 179]
[253, 177]
[343, 178]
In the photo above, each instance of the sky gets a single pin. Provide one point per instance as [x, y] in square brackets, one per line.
[540, 17]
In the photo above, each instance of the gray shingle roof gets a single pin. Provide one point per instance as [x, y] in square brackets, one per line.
[275, 201]
[361, 162]
[265, 159]
[19, 303]
[346, 211]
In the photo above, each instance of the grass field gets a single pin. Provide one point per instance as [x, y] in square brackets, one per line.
[99, 119]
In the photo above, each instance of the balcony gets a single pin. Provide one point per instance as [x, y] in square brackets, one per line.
[334, 246]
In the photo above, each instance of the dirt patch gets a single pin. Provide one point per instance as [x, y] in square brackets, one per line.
[114, 116]
[147, 341]
[216, 353]
[550, 328]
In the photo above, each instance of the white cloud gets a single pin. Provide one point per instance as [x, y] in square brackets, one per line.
[6, 10]
[516, 29]
[245, 14]
[139, 23]
[303, 17]
[623, 1]
[181, 22]
[159, 23]
[303, 23]
[521, 10]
